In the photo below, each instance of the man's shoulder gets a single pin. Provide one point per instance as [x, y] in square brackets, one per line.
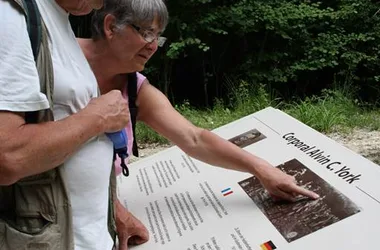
[11, 11]
[13, 30]
[15, 4]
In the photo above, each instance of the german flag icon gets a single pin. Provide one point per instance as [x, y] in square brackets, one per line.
[268, 246]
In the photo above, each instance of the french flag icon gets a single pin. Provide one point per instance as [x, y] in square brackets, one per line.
[227, 191]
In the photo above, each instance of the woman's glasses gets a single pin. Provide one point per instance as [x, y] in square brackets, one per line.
[149, 36]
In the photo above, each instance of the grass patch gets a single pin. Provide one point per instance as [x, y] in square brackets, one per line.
[368, 118]
[333, 110]
[243, 101]
[326, 112]
[145, 134]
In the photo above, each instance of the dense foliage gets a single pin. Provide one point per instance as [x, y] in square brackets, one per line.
[295, 48]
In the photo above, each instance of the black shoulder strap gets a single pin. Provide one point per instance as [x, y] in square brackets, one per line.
[133, 109]
[33, 20]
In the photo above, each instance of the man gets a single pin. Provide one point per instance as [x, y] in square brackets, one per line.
[43, 206]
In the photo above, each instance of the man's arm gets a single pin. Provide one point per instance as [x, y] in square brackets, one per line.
[28, 149]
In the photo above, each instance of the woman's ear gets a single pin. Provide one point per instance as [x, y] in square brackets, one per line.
[109, 26]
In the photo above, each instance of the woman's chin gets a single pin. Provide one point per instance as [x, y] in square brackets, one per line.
[136, 68]
[135, 65]
[139, 67]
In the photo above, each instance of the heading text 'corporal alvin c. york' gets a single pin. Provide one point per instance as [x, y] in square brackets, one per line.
[337, 167]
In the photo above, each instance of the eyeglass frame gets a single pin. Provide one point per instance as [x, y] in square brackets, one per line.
[149, 36]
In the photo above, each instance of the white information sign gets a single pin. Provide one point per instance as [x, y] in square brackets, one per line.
[187, 204]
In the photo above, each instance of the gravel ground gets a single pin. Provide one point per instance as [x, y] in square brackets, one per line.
[363, 142]
[148, 149]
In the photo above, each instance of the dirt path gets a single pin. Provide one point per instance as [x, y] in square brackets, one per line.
[366, 143]
[363, 142]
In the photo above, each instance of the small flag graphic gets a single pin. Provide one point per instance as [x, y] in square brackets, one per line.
[227, 191]
[268, 246]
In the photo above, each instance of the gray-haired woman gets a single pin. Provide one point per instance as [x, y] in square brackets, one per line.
[126, 33]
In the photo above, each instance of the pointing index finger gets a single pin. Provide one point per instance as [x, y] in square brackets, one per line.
[303, 191]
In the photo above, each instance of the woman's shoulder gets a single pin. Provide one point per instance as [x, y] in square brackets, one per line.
[140, 79]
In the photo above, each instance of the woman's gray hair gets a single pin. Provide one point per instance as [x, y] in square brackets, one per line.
[137, 12]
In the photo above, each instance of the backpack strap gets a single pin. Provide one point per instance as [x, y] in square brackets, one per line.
[133, 109]
[33, 20]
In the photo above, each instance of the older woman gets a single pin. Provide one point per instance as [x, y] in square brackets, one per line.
[126, 33]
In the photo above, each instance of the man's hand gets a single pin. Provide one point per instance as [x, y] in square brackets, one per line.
[112, 110]
[130, 230]
[282, 186]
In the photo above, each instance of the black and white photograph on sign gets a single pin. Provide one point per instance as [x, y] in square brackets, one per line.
[305, 216]
[247, 138]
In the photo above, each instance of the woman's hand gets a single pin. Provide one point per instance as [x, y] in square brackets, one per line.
[130, 230]
[281, 185]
